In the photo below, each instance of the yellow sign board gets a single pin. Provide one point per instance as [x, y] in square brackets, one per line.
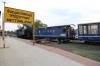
[12, 15]
[63, 34]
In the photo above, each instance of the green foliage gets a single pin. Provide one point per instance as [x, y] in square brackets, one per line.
[94, 55]
[13, 32]
[86, 50]
[8, 32]
[38, 24]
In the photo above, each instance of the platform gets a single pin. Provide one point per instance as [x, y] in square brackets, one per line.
[18, 53]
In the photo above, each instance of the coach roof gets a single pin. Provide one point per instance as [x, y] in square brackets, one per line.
[89, 23]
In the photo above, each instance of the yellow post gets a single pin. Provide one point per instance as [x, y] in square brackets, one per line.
[33, 30]
[4, 28]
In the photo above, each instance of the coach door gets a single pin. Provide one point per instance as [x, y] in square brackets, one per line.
[80, 32]
[69, 31]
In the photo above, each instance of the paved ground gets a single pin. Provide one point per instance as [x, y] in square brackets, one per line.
[80, 59]
[18, 53]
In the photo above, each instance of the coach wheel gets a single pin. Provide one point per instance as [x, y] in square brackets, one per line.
[65, 40]
[59, 41]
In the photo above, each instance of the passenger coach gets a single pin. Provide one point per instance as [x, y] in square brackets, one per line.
[89, 32]
[62, 33]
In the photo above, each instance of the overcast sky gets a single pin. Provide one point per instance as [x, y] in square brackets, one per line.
[57, 12]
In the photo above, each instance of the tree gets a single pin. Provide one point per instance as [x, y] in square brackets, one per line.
[8, 32]
[45, 25]
[11, 32]
[19, 27]
[38, 24]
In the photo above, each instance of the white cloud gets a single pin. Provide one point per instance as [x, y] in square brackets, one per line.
[40, 8]
[91, 18]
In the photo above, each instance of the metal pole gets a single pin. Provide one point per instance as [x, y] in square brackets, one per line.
[0, 22]
[3, 28]
[33, 30]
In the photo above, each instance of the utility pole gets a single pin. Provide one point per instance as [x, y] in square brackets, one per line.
[0, 19]
[3, 26]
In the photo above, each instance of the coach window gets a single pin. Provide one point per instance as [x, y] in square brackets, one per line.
[64, 30]
[85, 29]
[39, 31]
[53, 31]
[48, 30]
[42, 30]
[80, 29]
[93, 29]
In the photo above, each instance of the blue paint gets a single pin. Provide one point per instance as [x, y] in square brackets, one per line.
[52, 32]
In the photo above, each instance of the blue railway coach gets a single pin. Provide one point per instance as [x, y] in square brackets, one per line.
[89, 32]
[63, 32]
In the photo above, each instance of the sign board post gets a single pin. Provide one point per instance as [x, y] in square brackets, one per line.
[33, 33]
[0, 18]
[0, 14]
[12, 15]
[0, 24]
[3, 27]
